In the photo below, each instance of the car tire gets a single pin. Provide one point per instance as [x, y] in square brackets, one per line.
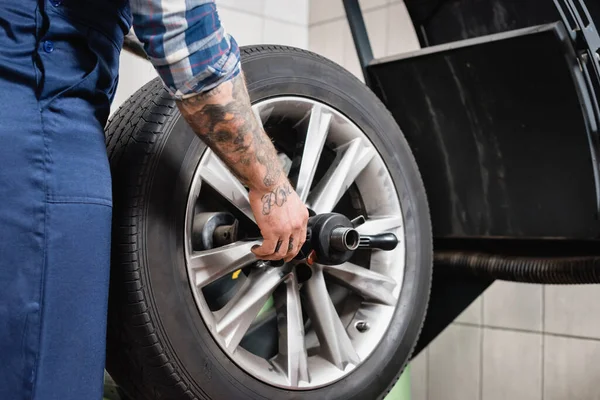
[158, 344]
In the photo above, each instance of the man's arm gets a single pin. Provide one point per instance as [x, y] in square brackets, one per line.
[199, 64]
[223, 118]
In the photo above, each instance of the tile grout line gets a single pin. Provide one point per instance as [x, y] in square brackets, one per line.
[501, 328]
[481, 339]
[426, 374]
[386, 30]
[543, 366]
[388, 33]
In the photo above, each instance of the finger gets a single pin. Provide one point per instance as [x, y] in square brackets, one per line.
[275, 251]
[299, 237]
[282, 250]
[291, 249]
[278, 248]
[266, 249]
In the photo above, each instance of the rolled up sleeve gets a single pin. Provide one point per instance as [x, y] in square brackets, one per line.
[186, 43]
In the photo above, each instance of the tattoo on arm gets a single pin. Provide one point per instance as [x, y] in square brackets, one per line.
[275, 198]
[224, 119]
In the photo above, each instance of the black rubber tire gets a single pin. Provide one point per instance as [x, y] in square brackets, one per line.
[158, 345]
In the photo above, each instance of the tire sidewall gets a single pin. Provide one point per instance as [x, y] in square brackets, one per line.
[195, 353]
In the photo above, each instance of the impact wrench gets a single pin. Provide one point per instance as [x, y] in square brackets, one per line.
[331, 238]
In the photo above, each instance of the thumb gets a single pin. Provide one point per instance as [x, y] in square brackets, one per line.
[259, 251]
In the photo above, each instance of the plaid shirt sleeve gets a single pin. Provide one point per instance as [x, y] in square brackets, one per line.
[186, 43]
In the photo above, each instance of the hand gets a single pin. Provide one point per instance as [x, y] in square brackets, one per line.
[282, 219]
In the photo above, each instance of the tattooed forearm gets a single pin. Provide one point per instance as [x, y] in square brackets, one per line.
[275, 198]
[223, 118]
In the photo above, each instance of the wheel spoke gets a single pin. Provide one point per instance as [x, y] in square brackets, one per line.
[210, 265]
[292, 357]
[235, 318]
[370, 285]
[318, 126]
[334, 341]
[375, 226]
[220, 178]
[352, 159]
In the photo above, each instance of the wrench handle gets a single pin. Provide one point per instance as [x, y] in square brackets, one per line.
[383, 241]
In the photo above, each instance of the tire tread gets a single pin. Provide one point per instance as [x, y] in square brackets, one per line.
[132, 135]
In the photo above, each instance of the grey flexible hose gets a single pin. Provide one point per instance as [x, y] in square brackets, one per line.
[551, 270]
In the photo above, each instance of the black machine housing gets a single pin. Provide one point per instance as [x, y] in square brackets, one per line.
[500, 108]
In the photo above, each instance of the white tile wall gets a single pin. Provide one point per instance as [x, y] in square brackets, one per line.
[511, 365]
[573, 310]
[377, 23]
[291, 11]
[570, 369]
[328, 40]
[323, 10]
[454, 371]
[276, 32]
[418, 376]
[513, 305]
[401, 33]
[368, 4]
[266, 21]
[250, 6]
[327, 10]
[245, 28]
[351, 62]
[534, 337]
[388, 25]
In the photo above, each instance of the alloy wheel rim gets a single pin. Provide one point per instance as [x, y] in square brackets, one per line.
[317, 344]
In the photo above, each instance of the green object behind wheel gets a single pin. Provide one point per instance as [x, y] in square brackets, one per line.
[401, 390]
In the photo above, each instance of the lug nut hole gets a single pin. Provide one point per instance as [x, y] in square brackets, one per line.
[362, 326]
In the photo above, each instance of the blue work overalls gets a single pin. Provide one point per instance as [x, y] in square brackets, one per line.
[58, 73]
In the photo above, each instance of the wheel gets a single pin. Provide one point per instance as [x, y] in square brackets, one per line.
[191, 318]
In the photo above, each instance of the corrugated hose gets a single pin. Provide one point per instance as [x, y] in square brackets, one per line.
[549, 270]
